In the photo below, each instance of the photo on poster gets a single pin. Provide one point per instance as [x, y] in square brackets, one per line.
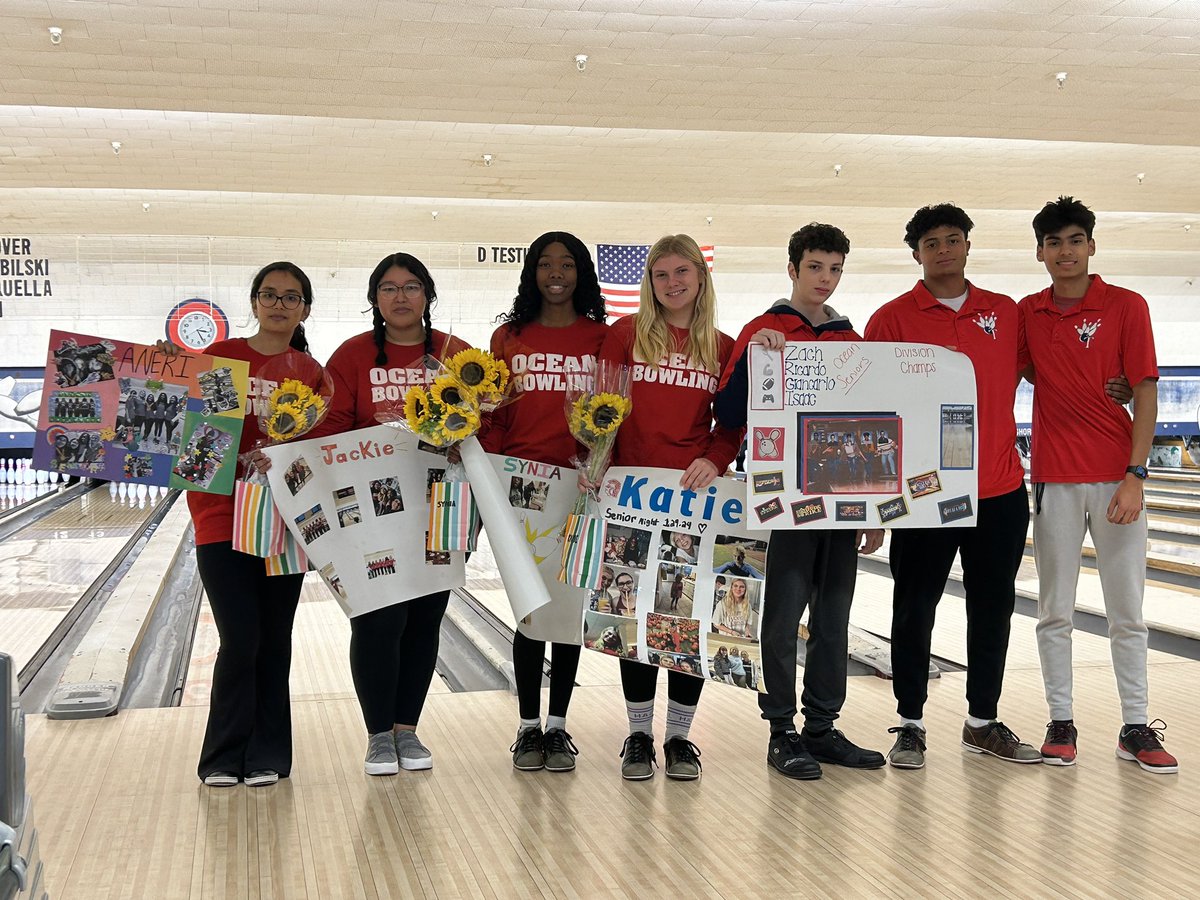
[435, 557]
[385, 496]
[609, 634]
[680, 662]
[1166, 457]
[739, 556]
[346, 505]
[432, 448]
[137, 465]
[528, 493]
[331, 578]
[297, 475]
[155, 412]
[625, 546]
[924, 484]
[958, 436]
[312, 524]
[851, 453]
[432, 477]
[679, 547]
[217, 391]
[86, 364]
[379, 563]
[623, 600]
[74, 407]
[736, 604]
[674, 634]
[675, 589]
[735, 661]
[203, 453]
[76, 450]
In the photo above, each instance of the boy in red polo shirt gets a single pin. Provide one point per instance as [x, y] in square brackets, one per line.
[944, 308]
[1078, 333]
[809, 568]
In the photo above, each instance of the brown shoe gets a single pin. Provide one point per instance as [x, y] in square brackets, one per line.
[996, 738]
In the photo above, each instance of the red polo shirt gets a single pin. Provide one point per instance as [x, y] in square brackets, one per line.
[985, 329]
[1079, 434]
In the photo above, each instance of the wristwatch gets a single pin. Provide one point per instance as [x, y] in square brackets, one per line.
[1137, 472]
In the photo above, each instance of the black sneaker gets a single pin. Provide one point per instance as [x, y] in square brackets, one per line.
[786, 754]
[560, 751]
[683, 759]
[834, 747]
[637, 757]
[909, 750]
[528, 753]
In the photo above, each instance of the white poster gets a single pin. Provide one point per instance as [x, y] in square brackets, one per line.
[684, 577]
[861, 435]
[359, 505]
[540, 496]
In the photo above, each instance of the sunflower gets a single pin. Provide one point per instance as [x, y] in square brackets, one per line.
[285, 422]
[447, 390]
[459, 424]
[605, 412]
[107, 434]
[474, 368]
[416, 407]
[500, 377]
[292, 390]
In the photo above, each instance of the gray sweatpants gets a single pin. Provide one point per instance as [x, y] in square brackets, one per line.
[1058, 528]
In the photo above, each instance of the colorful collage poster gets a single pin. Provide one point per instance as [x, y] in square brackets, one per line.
[125, 412]
[358, 504]
[684, 577]
[861, 435]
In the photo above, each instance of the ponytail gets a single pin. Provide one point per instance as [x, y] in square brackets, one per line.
[299, 339]
[379, 332]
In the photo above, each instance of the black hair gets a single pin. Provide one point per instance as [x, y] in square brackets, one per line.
[587, 299]
[379, 327]
[299, 340]
[927, 218]
[1061, 213]
[815, 236]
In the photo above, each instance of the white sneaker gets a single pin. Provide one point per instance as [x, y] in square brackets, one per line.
[221, 779]
[411, 752]
[381, 755]
[262, 778]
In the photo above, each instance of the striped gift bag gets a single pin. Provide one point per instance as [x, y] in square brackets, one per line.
[258, 529]
[453, 517]
[583, 551]
[291, 561]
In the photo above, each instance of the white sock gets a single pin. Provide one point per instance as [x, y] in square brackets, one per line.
[920, 723]
[527, 724]
[679, 719]
[556, 722]
[641, 716]
[978, 723]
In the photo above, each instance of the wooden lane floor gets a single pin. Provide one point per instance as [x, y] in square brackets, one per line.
[122, 814]
[46, 567]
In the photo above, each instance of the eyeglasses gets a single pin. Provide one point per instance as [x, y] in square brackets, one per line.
[270, 298]
[412, 290]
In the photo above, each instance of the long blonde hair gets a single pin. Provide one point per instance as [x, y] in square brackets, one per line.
[652, 340]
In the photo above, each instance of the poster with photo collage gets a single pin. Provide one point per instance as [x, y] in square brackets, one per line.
[359, 505]
[125, 412]
[684, 577]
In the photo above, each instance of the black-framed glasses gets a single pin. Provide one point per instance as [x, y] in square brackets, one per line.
[412, 290]
[270, 298]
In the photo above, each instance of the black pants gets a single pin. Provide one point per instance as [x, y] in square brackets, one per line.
[393, 652]
[920, 561]
[249, 711]
[639, 682]
[528, 656]
[818, 570]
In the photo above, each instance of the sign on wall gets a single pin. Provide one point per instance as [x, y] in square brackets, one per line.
[861, 435]
[22, 272]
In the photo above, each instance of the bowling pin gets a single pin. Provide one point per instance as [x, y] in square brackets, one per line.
[112, 490]
[42, 476]
[124, 489]
[141, 490]
[3, 471]
[54, 476]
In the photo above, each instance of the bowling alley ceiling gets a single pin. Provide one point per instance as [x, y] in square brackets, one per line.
[359, 118]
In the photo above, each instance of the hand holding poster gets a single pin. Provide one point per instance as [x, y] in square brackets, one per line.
[684, 577]
[358, 504]
[126, 412]
[861, 435]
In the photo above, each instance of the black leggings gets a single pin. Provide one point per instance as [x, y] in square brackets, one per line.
[393, 652]
[639, 682]
[528, 656]
[249, 711]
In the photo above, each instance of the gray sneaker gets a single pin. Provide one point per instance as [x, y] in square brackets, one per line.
[637, 757]
[381, 755]
[997, 739]
[560, 751]
[528, 755]
[909, 750]
[411, 752]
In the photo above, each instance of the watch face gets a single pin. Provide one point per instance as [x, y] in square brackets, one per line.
[197, 330]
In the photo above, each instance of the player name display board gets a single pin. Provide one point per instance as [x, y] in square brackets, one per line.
[125, 412]
[358, 503]
[861, 435]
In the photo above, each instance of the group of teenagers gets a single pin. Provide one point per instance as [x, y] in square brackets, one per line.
[1086, 345]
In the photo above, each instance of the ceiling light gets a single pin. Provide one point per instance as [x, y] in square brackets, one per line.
[434, 214]
[488, 159]
[55, 34]
[1061, 78]
[1141, 176]
[837, 170]
[116, 145]
[145, 207]
[1187, 227]
[581, 61]
[708, 219]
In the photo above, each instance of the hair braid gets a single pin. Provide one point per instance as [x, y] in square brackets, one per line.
[380, 334]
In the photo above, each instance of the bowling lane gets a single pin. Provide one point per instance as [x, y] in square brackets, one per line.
[46, 567]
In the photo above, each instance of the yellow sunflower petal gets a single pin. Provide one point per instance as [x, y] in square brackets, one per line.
[473, 367]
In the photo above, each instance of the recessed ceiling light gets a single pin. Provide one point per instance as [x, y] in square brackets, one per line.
[488, 159]
[1061, 78]
[581, 61]
[1141, 176]
[116, 145]
[837, 170]
[55, 34]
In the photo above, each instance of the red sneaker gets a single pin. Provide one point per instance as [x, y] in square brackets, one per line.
[1059, 748]
[1143, 745]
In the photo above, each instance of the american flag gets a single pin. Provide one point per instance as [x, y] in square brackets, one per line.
[620, 268]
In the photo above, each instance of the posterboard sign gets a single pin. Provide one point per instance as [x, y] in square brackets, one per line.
[684, 577]
[861, 435]
[540, 496]
[125, 412]
[358, 503]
